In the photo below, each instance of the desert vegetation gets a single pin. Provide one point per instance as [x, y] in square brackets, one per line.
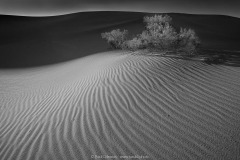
[159, 35]
[115, 38]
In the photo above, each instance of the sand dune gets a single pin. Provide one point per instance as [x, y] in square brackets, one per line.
[120, 105]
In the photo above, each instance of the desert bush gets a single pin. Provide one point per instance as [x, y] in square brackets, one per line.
[134, 44]
[163, 39]
[157, 20]
[159, 35]
[115, 38]
[188, 41]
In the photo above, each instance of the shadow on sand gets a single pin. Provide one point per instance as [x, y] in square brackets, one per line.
[222, 57]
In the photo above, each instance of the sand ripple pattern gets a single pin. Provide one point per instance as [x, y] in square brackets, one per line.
[120, 105]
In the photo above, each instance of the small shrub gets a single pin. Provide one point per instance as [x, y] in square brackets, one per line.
[158, 35]
[188, 41]
[157, 20]
[134, 44]
[115, 38]
[145, 37]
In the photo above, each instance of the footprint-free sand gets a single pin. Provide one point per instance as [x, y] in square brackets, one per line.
[115, 104]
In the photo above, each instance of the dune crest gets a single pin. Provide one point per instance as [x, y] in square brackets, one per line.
[120, 105]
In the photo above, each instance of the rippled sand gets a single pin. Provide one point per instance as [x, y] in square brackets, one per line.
[120, 105]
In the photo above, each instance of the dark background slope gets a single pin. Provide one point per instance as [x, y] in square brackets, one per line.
[32, 41]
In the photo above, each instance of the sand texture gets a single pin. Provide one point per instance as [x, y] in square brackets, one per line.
[120, 105]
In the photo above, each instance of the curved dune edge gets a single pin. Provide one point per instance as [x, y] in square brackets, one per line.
[121, 105]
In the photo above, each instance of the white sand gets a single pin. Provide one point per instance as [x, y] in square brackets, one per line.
[120, 105]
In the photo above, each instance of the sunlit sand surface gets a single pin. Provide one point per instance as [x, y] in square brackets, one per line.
[119, 104]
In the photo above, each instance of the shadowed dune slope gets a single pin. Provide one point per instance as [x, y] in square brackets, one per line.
[34, 41]
[120, 105]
